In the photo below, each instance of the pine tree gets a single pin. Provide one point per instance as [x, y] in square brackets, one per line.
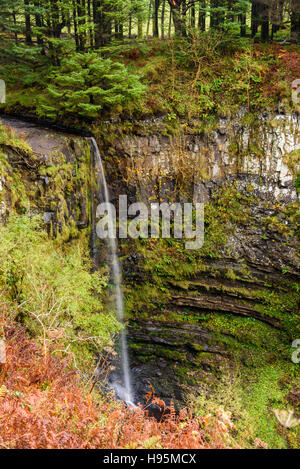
[88, 85]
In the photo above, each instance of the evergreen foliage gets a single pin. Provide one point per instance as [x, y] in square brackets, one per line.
[87, 85]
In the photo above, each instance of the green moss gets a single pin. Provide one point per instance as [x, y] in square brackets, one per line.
[252, 399]
[292, 160]
[167, 263]
[10, 140]
[50, 288]
[14, 193]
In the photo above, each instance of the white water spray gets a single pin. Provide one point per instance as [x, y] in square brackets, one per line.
[125, 391]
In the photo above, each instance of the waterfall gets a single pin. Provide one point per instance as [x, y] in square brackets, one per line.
[124, 391]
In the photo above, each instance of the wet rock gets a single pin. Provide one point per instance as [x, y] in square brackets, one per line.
[48, 217]
[45, 179]
[60, 195]
[251, 158]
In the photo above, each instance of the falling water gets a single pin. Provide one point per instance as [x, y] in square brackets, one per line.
[125, 391]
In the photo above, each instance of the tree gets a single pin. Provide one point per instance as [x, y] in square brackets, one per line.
[217, 13]
[295, 21]
[178, 10]
[265, 12]
[92, 24]
[202, 16]
[163, 11]
[155, 18]
[88, 85]
[38, 14]
[254, 17]
[27, 22]
[9, 10]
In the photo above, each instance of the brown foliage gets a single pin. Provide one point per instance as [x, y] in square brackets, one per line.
[44, 405]
[290, 58]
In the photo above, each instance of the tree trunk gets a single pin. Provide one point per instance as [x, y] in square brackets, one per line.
[81, 23]
[275, 28]
[243, 25]
[75, 25]
[89, 12]
[121, 30]
[28, 36]
[39, 25]
[202, 16]
[149, 18]
[217, 17]
[163, 11]
[265, 26]
[56, 29]
[193, 16]
[103, 25]
[140, 28]
[295, 25]
[155, 18]
[230, 14]
[15, 26]
[265, 30]
[98, 23]
[180, 29]
[170, 24]
[68, 23]
[254, 18]
[179, 20]
[130, 26]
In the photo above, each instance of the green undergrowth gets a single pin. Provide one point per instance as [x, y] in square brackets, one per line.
[252, 400]
[201, 77]
[261, 372]
[47, 285]
[167, 261]
[46, 278]
[252, 341]
[9, 139]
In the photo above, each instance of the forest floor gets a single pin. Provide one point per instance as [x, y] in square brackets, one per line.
[203, 78]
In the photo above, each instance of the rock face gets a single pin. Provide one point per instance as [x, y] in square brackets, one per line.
[194, 314]
[261, 148]
[54, 174]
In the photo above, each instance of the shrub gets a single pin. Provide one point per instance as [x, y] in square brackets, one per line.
[50, 288]
[87, 85]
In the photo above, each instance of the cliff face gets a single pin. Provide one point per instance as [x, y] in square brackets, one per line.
[192, 314]
[234, 302]
[47, 284]
[47, 171]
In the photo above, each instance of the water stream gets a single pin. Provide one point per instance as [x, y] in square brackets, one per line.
[124, 390]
